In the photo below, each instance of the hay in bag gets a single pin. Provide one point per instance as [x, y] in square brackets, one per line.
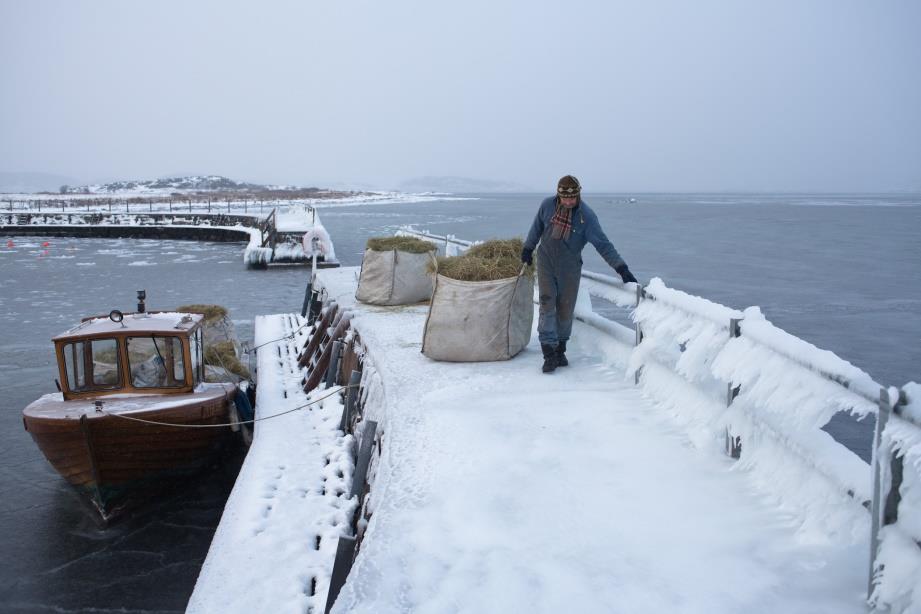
[396, 271]
[482, 307]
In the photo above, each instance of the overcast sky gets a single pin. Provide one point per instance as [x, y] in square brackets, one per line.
[630, 96]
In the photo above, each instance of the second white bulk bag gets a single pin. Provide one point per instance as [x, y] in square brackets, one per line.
[473, 321]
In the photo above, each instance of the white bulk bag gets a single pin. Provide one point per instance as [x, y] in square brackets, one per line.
[474, 321]
[395, 277]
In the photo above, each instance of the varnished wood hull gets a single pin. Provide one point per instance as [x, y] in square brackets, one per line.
[112, 458]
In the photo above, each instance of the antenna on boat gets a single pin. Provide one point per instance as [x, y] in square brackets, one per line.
[142, 294]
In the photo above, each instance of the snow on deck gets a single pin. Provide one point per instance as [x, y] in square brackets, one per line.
[274, 548]
[501, 489]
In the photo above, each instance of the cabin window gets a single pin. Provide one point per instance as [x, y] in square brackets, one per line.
[198, 374]
[92, 364]
[156, 362]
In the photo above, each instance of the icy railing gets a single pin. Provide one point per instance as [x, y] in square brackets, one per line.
[895, 582]
[733, 379]
[448, 244]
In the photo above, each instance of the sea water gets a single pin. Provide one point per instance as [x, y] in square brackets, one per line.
[841, 272]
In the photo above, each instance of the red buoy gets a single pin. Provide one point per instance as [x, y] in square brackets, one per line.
[9, 243]
[46, 244]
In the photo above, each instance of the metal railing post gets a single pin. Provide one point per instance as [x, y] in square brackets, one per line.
[314, 308]
[733, 444]
[364, 460]
[351, 400]
[735, 330]
[305, 307]
[345, 555]
[640, 294]
[333, 363]
[882, 418]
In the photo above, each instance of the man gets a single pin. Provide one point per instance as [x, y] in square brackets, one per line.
[563, 225]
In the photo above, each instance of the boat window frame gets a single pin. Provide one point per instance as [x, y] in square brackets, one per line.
[86, 365]
[197, 356]
[182, 356]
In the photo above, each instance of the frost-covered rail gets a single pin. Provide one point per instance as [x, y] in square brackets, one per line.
[721, 370]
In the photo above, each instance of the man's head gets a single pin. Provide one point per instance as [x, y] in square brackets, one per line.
[568, 190]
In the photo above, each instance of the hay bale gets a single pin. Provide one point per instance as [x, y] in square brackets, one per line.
[222, 349]
[395, 271]
[489, 261]
[411, 245]
[211, 312]
[482, 307]
[224, 355]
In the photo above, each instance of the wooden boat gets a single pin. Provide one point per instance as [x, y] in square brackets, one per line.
[134, 411]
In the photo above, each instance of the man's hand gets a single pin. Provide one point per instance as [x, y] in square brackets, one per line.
[527, 256]
[625, 274]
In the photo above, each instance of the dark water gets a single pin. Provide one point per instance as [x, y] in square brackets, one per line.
[841, 272]
[54, 557]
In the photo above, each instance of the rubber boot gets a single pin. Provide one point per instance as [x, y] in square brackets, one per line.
[550, 358]
[561, 355]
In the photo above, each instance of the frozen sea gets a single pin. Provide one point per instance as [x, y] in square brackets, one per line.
[841, 271]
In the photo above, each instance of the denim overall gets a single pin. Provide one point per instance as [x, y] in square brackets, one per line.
[559, 266]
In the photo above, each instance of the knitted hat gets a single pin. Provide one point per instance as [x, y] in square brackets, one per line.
[568, 186]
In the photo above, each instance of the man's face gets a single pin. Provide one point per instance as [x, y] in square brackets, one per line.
[569, 201]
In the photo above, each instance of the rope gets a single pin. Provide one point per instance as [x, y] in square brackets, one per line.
[226, 424]
[288, 336]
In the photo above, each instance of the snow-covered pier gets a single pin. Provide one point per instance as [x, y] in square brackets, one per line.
[605, 487]
[275, 237]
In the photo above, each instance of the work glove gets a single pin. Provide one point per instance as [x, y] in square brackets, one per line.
[625, 273]
[527, 256]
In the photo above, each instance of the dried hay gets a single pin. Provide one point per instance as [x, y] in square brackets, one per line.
[211, 312]
[411, 245]
[489, 261]
[224, 355]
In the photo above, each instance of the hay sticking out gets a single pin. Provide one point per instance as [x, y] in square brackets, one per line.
[212, 312]
[404, 244]
[489, 261]
[223, 355]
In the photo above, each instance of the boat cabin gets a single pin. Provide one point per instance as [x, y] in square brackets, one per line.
[156, 352]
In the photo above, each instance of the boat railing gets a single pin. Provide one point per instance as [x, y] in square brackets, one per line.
[736, 376]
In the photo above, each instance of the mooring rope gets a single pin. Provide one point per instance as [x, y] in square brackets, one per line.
[322, 294]
[226, 424]
[288, 336]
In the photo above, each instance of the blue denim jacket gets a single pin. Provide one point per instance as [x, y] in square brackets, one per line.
[585, 229]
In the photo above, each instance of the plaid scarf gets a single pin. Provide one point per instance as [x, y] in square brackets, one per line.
[561, 221]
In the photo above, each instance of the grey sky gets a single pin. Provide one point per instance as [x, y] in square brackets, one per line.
[654, 96]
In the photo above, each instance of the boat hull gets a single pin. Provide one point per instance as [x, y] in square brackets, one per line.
[133, 447]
